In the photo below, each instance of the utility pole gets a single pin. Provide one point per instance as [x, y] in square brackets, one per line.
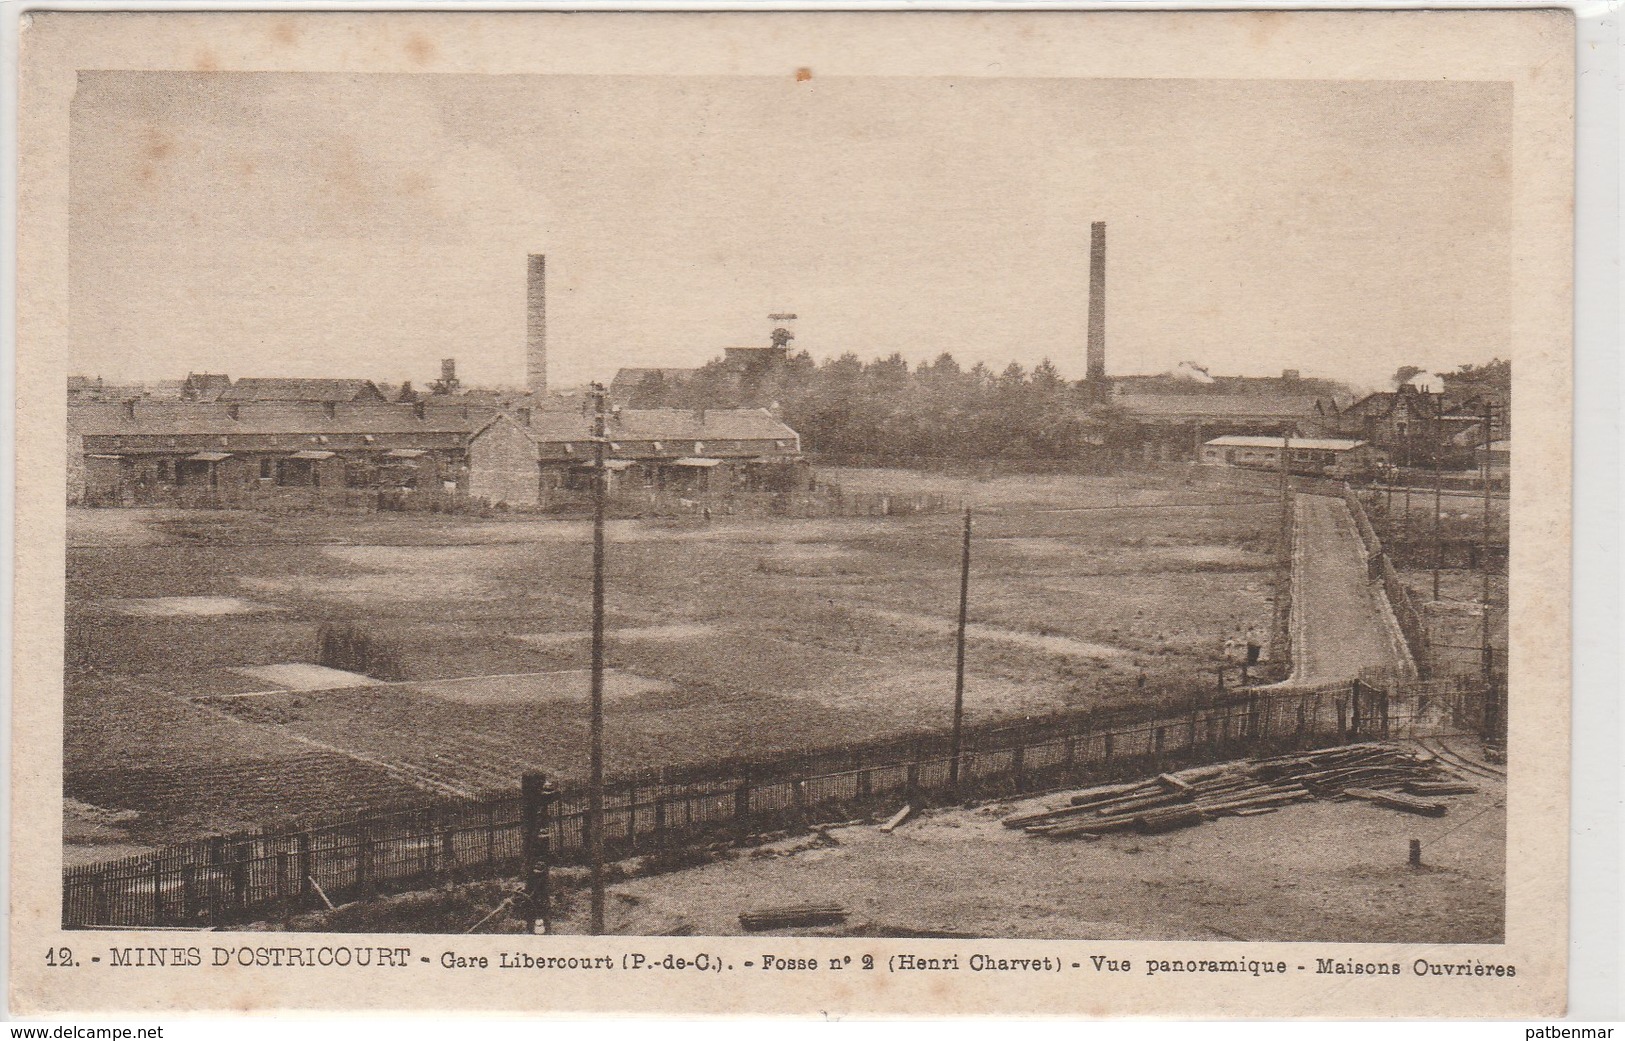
[1485, 651]
[1286, 450]
[959, 663]
[1438, 505]
[595, 717]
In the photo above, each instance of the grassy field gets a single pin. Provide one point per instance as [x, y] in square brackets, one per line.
[739, 636]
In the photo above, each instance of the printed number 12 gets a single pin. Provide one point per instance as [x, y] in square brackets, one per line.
[59, 957]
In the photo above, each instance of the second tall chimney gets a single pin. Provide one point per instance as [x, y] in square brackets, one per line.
[1097, 301]
[536, 326]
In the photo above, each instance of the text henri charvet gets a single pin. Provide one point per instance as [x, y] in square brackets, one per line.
[364, 957]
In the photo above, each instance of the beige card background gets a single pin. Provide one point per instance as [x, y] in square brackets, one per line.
[1530, 49]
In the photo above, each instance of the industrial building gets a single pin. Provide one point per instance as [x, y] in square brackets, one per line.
[1306, 455]
[252, 441]
[529, 457]
[228, 453]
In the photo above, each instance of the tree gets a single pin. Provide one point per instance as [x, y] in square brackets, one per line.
[1047, 377]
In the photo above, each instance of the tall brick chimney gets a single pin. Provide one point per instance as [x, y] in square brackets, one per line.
[536, 326]
[1097, 302]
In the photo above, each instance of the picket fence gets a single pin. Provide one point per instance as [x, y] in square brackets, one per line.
[274, 874]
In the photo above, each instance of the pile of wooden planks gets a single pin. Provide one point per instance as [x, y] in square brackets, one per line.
[792, 916]
[1382, 774]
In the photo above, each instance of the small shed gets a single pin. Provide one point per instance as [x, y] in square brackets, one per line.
[1307, 454]
[1498, 454]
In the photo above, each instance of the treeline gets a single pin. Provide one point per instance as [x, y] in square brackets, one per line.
[885, 410]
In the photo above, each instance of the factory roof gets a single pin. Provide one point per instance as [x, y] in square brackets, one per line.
[1312, 444]
[1216, 406]
[254, 388]
[664, 424]
[179, 419]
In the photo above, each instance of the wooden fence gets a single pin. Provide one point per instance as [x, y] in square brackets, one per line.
[1412, 623]
[273, 874]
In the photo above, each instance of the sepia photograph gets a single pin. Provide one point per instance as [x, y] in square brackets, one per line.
[813, 505]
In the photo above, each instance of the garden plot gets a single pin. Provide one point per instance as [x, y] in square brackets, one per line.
[304, 676]
[658, 633]
[1065, 646]
[567, 685]
[186, 606]
[743, 637]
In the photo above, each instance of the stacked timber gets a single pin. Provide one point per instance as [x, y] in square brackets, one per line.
[791, 916]
[1381, 774]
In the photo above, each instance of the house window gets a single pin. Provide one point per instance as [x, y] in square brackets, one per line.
[267, 469]
[165, 473]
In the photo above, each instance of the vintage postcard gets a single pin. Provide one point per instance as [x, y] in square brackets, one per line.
[865, 512]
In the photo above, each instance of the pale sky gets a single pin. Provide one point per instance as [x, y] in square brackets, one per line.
[369, 225]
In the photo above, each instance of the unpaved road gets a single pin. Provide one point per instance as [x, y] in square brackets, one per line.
[1339, 626]
[1318, 871]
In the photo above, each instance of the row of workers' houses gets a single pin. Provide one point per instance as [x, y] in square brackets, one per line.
[229, 452]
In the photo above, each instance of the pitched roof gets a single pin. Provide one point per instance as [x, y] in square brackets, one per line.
[665, 424]
[179, 419]
[255, 388]
[1313, 444]
[1383, 403]
[632, 378]
[1215, 406]
[725, 424]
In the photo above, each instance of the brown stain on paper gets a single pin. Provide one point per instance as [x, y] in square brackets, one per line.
[420, 49]
[803, 74]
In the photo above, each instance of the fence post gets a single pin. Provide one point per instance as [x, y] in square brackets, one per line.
[1342, 720]
[632, 815]
[1018, 766]
[363, 855]
[157, 893]
[866, 784]
[283, 889]
[448, 848]
[660, 822]
[307, 870]
[742, 800]
[539, 797]
[188, 892]
[1108, 743]
[1069, 756]
[426, 843]
[491, 837]
[98, 902]
[239, 879]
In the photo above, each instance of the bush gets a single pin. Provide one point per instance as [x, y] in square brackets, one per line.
[353, 649]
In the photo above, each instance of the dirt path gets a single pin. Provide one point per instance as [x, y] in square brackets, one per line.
[1313, 872]
[1339, 626]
